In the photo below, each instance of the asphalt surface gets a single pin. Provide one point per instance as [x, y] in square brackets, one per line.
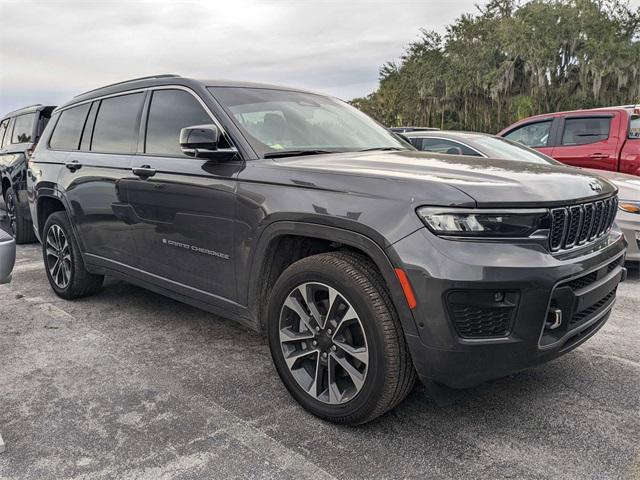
[129, 384]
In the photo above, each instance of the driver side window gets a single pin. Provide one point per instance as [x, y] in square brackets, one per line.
[169, 112]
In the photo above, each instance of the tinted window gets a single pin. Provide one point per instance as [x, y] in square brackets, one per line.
[23, 129]
[3, 129]
[66, 135]
[634, 127]
[440, 145]
[116, 127]
[171, 111]
[578, 131]
[531, 135]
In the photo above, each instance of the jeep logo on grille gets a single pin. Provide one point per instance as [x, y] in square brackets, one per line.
[595, 186]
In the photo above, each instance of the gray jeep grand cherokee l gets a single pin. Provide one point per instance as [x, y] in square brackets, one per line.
[365, 261]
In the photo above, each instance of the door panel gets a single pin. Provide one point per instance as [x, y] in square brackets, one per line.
[588, 142]
[95, 192]
[183, 221]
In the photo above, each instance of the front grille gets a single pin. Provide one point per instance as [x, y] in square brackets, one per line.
[578, 224]
[583, 315]
[481, 322]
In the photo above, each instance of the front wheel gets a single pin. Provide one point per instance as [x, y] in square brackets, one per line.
[336, 339]
[63, 262]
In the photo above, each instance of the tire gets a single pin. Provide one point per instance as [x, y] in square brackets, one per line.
[379, 374]
[21, 227]
[70, 279]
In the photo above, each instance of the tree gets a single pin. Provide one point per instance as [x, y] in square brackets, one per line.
[510, 60]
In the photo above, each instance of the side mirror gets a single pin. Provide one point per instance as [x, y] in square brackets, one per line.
[199, 140]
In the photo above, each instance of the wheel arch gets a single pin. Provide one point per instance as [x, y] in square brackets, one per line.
[307, 239]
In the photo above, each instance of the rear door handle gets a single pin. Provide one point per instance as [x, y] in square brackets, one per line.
[599, 156]
[145, 171]
[73, 165]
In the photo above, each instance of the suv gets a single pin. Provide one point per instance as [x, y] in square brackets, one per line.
[601, 138]
[19, 134]
[364, 261]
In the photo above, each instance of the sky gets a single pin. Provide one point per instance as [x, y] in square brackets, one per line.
[51, 50]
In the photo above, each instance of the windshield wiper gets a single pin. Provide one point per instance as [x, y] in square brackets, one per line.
[383, 149]
[295, 153]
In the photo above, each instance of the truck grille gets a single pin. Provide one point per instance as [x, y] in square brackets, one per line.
[578, 224]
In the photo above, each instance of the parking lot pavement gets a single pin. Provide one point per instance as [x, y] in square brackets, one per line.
[129, 384]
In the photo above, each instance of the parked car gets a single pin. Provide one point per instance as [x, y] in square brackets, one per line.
[411, 129]
[364, 261]
[20, 131]
[7, 256]
[601, 138]
[490, 146]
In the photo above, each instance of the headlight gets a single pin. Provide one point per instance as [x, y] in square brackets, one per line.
[484, 222]
[629, 206]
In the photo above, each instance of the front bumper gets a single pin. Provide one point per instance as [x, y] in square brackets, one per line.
[452, 347]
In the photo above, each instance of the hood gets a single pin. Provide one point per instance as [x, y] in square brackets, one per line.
[488, 181]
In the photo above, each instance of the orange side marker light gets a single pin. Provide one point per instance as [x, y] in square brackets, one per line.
[406, 288]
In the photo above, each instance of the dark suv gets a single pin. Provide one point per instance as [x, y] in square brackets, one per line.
[19, 134]
[363, 260]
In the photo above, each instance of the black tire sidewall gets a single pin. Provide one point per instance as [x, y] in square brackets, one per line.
[367, 399]
[60, 219]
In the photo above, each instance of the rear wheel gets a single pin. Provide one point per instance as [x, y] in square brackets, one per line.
[63, 262]
[336, 340]
[21, 227]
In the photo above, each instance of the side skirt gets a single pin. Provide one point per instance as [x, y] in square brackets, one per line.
[168, 288]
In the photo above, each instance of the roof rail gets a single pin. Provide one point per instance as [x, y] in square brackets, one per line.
[22, 108]
[164, 75]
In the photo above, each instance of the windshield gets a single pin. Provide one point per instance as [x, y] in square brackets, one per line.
[501, 148]
[281, 120]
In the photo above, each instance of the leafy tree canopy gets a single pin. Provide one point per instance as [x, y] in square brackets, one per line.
[510, 60]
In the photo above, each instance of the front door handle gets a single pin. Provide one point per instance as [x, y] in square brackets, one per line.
[145, 171]
[73, 165]
[599, 156]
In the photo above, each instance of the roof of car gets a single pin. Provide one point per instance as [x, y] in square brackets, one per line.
[28, 109]
[447, 134]
[168, 79]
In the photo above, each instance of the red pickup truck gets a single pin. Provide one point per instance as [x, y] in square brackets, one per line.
[602, 138]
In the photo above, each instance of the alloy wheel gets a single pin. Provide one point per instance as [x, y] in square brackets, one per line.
[58, 256]
[323, 343]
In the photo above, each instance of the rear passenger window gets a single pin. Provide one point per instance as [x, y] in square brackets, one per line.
[579, 131]
[3, 129]
[171, 111]
[66, 135]
[23, 129]
[532, 135]
[117, 124]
